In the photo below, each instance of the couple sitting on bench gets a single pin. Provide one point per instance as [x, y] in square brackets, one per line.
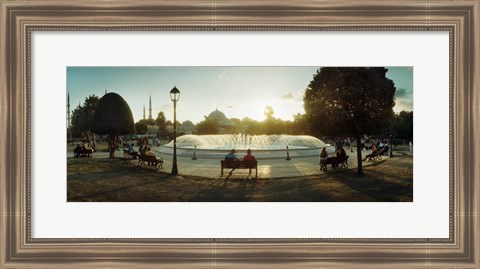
[339, 158]
[147, 156]
[231, 161]
[232, 157]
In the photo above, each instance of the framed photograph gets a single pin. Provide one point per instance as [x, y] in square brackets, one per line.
[233, 134]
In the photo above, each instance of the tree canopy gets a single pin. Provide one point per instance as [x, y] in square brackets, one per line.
[161, 120]
[113, 117]
[82, 117]
[207, 126]
[403, 125]
[350, 101]
[141, 128]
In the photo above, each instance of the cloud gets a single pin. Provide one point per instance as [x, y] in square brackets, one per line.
[288, 96]
[403, 93]
[403, 99]
[406, 105]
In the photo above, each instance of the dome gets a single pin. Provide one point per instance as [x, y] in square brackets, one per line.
[217, 115]
[220, 118]
[187, 123]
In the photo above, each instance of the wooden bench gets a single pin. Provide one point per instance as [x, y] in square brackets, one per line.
[324, 163]
[150, 160]
[239, 165]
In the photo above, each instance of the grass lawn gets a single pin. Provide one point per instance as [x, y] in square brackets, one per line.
[116, 180]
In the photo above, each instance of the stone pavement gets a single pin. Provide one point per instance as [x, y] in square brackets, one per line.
[267, 168]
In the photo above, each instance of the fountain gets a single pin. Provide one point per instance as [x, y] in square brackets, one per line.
[264, 146]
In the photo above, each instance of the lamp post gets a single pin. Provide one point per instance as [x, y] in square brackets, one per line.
[174, 96]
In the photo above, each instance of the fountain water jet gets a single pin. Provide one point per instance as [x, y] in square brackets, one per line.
[244, 142]
[264, 146]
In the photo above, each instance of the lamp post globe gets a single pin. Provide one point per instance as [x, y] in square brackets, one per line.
[174, 96]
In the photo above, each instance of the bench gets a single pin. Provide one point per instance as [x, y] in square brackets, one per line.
[344, 163]
[331, 160]
[129, 155]
[82, 152]
[150, 160]
[377, 155]
[239, 165]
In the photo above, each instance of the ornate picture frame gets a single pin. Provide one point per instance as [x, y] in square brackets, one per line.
[20, 18]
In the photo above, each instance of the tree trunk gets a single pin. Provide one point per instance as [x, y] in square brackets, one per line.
[112, 145]
[93, 139]
[359, 156]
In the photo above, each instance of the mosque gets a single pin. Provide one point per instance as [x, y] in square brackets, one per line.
[224, 124]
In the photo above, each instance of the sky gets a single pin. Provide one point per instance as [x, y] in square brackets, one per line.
[238, 92]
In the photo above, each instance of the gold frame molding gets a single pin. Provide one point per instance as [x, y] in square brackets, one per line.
[20, 18]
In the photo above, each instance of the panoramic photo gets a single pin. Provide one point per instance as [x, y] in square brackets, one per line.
[239, 134]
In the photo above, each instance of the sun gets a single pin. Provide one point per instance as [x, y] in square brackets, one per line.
[258, 110]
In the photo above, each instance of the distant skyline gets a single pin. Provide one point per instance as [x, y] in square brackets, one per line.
[238, 92]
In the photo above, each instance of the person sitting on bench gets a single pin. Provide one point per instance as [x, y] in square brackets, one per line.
[231, 157]
[340, 156]
[371, 155]
[249, 156]
[148, 152]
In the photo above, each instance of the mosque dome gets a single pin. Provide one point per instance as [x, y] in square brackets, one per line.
[217, 115]
[220, 117]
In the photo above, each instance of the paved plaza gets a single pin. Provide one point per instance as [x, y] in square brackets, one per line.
[271, 166]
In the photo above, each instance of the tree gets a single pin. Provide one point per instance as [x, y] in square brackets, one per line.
[141, 128]
[148, 122]
[238, 125]
[402, 125]
[82, 117]
[161, 120]
[300, 124]
[350, 101]
[269, 119]
[252, 127]
[207, 126]
[268, 112]
[113, 117]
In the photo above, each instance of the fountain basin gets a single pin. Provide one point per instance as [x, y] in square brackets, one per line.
[262, 146]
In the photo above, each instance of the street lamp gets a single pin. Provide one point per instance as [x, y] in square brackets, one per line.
[174, 96]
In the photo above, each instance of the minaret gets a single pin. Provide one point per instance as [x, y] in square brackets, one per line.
[68, 110]
[150, 109]
[143, 111]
